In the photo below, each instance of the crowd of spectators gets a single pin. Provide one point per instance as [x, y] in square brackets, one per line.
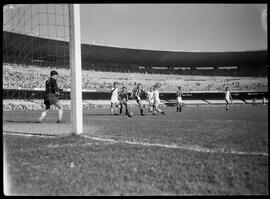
[9, 105]
[29, 77]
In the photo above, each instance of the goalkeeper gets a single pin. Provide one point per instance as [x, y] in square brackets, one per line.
[50, 97]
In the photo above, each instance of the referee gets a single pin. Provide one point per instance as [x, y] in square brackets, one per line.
[50, 97]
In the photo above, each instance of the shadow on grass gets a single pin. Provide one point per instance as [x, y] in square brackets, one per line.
[97, 114]
[31, 121]
[21, 121]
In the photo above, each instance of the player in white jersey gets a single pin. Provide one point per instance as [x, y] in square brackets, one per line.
[150, 99]
[156, 101]
[179, 100]
[114, 99]
[228, 98]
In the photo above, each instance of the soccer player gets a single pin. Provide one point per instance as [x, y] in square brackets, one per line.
[228, 98]
[156, 101]
[136, 93]
[50, 97]
[123, 98]
[114, 99]
[179, 100]
[150, 99]
[264, 100]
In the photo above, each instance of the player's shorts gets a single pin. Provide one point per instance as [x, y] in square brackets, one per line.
[151, 102]
[114, 101]
[122, 101]
[50, 99]
[227, 100]
[156, 103]
[179, 100]
[138, 99]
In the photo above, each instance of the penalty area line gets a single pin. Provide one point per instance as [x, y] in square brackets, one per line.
[174, 146]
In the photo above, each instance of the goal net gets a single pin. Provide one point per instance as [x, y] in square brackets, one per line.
[37, 38]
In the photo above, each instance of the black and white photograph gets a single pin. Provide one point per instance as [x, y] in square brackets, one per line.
[135, 99]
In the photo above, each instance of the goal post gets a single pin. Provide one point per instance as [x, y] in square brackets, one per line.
[76, 69]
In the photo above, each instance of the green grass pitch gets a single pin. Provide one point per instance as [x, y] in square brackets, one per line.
[202, 150]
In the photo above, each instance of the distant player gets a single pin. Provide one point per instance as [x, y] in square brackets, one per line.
[156, 101]
[179, 100]
[254, 102]
[137, 93]
[123, 98]
[114, 99]
[50, 97]
[150, 99]
[228, 98]
[264, 100]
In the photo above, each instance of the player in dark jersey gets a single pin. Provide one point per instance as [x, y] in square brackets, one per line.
[50, 97]
[137, 93]
[123, 98]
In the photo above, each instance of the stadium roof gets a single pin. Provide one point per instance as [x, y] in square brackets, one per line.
[105, 54]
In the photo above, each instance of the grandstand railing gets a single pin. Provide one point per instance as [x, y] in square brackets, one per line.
[102, 94]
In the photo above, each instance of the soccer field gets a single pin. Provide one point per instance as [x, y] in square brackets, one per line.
[202, 150]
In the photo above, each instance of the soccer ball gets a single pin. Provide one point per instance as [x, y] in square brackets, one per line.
[130, 113]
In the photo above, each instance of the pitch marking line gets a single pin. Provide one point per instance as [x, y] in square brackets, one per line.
[67, 145]
[30, 134]
[174, 146]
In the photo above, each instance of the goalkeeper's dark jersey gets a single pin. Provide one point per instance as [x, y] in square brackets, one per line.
[51, 86]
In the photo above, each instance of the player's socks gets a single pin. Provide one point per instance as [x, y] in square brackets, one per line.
[60, 114]
[59, 121]
[120, 111]
[43, 114]
[142, 112]
[177, 109]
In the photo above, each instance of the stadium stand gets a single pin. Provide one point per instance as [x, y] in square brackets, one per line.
[16, 76]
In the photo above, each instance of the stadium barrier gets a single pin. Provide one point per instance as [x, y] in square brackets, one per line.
[87, 104]
[106, 94]
[32, 99]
